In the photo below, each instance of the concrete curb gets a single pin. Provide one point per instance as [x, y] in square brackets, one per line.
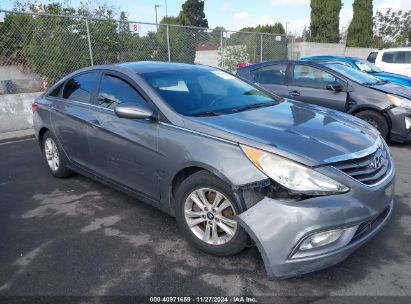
[16, 135]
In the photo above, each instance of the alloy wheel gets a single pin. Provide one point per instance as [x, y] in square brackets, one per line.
[209, 215]
[52, 154]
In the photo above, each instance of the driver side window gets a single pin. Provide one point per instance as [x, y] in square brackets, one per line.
[307, 76]
[114, 91]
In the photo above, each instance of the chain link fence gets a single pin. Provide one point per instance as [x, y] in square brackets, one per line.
[38, 49]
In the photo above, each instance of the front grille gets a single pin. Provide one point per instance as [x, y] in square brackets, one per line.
[370, 225]
[369, 169]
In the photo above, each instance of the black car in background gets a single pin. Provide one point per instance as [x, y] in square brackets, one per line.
[385, 105]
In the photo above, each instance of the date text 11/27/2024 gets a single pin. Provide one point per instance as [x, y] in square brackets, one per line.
[204, 299]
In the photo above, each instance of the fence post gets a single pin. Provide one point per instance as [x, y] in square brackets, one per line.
[89, 43]
[261, 47]
[222, 48]
[168, 44]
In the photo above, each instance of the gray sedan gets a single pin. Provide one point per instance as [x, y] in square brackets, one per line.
[385, 105]
[233, 163]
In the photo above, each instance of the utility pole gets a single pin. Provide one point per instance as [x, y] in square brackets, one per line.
[165, 1]
[155, 9]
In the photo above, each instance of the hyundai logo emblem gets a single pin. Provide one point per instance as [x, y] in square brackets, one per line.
[377, 162]
[210, 216]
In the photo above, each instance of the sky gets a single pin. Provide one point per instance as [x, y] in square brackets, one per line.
[236, 14]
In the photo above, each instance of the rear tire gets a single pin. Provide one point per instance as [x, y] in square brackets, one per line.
[375, 119]
[210, 228]
[55, 158]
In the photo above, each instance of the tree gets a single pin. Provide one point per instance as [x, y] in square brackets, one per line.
[193, 10]
[15, 32]
[215, 35]
[54, 46]
[123, 23]
[325, 18]
[183, 41]
[233, 55]
[392, 28]
[273, 46]
[276, 28]
[360, 31]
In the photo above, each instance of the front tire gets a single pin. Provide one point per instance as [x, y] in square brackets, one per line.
[205, 208]
[54, 156]
[376, 120]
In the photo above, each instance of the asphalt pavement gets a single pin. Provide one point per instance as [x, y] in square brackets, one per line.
[75, 236]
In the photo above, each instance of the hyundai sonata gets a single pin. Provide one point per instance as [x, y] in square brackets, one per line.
[233, 163]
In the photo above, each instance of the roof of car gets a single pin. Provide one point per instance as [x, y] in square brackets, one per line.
[142, 67]
[404, 49]
[397, 49]
[268, 62]
[343, 58]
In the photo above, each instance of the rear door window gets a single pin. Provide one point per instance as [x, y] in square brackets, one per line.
[80, 88]
[273, 74]
[396, 57]
[115, 90]
[372, 57]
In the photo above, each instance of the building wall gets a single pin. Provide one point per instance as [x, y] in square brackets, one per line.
[13, 80]
[297, 50]
[211, 57]
[15, 111]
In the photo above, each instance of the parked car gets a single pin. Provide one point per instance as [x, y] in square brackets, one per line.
[226, 158]
[396, 60]
[386, 106]
[364, 66]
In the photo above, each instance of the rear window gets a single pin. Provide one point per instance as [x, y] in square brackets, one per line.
[372, 57]
[396, 57]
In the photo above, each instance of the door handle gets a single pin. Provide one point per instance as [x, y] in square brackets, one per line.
[294, 93]
[55, 109]
[95, 123]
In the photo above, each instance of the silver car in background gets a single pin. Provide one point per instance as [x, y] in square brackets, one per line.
[233, 163]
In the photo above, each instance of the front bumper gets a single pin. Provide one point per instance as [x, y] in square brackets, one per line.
[279, 227]
[399, 130]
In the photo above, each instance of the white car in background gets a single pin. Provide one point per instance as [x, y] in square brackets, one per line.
[395, 60]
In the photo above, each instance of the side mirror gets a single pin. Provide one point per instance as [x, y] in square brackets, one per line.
[133, 111]
[334, 86]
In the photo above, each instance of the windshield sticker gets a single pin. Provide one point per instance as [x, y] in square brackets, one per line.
[223, 75]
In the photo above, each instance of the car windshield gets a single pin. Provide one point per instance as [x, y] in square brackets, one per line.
[366, 66]
[354, 75]
[206, 92]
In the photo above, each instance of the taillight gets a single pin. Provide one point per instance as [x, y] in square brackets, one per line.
[34, 107]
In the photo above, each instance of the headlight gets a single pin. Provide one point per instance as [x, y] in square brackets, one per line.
[292, 175]
[399, 101]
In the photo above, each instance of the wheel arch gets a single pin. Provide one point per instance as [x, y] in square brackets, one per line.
[368, 107]
[42, 131]
[185, 172]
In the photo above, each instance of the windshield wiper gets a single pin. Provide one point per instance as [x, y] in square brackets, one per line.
[254, 106]
[207, 113]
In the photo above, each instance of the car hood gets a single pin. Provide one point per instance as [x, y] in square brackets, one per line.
[391, 75]
[393, 88]
[303, 132]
